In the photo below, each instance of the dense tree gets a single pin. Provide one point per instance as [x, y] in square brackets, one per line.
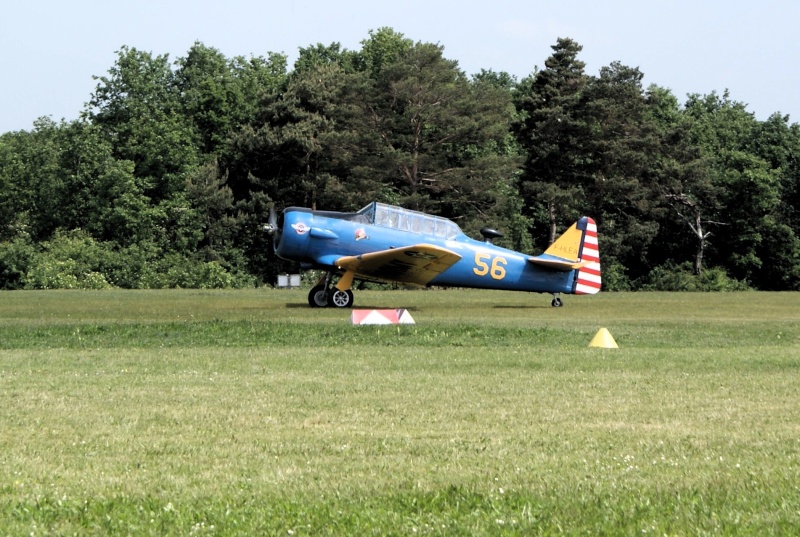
[681, 178]
[169, 175]
[19, 152]
[384, 47]
[552, 131]
[749, 192]
[287, 152]
[424, 130]
[780, 146]
[209, 95]
[54, 176]
[261, 81]
[36, 176]
[314, 57]
[622, 150]
[138, 106]
[306, 132]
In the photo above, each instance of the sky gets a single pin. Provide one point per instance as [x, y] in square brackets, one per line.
[51, 49]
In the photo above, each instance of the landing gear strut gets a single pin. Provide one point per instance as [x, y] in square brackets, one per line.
[556, 303]
[323, 295]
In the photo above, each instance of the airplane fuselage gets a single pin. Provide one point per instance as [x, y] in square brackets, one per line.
[319, 238]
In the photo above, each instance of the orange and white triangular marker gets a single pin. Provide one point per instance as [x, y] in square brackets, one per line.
[396, 316]
[403, 317]
[603, 339]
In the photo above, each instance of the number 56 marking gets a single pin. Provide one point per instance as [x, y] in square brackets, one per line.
[494, 269]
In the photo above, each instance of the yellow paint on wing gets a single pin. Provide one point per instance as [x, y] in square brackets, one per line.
[417, 264]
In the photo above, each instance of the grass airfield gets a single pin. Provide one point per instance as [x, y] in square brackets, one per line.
[189, 412]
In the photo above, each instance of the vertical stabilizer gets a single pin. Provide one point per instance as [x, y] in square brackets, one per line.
[588, 279]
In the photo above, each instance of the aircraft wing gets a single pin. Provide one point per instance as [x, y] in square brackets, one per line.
[418, 264]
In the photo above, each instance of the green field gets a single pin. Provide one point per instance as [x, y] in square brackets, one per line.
[248, 413]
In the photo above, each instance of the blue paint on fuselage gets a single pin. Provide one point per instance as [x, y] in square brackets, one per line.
[319, 238]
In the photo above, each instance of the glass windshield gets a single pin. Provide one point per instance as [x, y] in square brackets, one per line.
[402, 219]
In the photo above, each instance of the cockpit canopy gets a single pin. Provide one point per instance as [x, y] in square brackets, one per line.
[401, 219]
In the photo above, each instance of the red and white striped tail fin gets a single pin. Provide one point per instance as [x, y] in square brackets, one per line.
[588, 280]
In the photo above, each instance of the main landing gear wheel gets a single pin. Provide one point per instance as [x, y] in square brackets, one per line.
[340, 299]
[318, 297]
[321, 297]
[556, 303]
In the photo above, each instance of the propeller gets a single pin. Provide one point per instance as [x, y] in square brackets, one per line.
[272, 224]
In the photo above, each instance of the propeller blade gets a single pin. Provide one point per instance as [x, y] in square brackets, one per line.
[272, 224]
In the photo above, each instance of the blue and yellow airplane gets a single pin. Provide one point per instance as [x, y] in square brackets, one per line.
[384, 243]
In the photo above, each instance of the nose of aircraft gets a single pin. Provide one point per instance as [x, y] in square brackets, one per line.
[292, 235]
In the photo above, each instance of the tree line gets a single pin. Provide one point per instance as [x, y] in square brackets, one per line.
[167, 177]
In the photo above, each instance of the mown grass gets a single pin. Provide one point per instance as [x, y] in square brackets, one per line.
[245, 412]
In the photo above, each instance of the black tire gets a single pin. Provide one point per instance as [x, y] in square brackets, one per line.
[340, 299]
[556, 303]
[318, 297]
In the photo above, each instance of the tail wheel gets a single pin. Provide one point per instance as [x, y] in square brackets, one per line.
[340, 299]
[318, 297]
[556, 303]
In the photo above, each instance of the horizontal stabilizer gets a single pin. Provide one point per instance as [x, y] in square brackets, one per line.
[556, 263]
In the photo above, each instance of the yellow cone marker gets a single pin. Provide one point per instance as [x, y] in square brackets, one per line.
[604, 339]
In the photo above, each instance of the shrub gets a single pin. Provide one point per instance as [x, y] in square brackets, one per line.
[15, 259]
[48, 273]
[70, 260]
[671, 277]
[614, 277]
[177, 271]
